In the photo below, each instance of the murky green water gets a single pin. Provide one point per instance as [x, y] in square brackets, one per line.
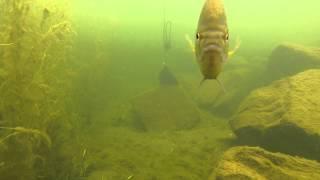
[82, 96]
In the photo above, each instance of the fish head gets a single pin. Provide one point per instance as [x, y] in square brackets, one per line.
[212, 40]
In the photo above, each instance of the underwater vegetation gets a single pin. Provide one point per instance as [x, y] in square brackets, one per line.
[256, 163]
[35, 40]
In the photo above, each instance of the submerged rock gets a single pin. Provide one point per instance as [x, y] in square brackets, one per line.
[239, 78]
[289, 59]
[239, 83]
[165, 108]
[284, 116]
[256, 163]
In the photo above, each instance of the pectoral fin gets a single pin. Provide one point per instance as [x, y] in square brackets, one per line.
[191, 44]
[235, 49]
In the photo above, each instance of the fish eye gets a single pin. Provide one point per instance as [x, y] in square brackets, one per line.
[198, 35]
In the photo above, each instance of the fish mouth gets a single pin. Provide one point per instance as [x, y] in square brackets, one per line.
[215, 48]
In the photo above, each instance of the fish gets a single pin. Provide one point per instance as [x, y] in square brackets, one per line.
[211, 45]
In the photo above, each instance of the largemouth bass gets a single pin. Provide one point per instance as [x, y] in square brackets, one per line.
[212, 40]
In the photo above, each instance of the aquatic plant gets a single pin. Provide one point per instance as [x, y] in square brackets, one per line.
[35, 41]
[33, 132]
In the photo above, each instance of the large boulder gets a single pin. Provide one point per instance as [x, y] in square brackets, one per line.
[256, 163]
[289, 59]
[166, 107]
[284, 116]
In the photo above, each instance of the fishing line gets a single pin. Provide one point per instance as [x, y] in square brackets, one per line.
[221, 85]
[166, 34]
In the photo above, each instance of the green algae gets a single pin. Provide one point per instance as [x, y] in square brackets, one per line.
[120, 152]
[244, 162]
[34, 66]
